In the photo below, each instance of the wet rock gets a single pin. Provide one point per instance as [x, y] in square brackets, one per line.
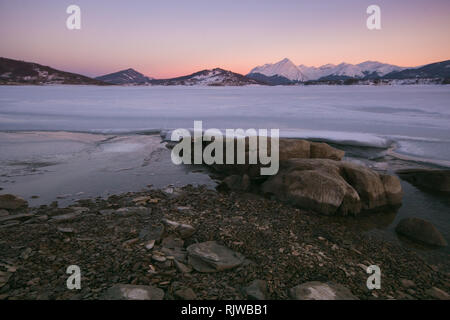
[429, 179]
[320, 150]
[12, 202]
[181, 229]
[152, 232]
[257, 290]
[172, 242]
[315, 290]
[128, 211]
[236, 183]
[186, 294]
[181, 267]
[407, 283]
[438, 294]
[22, 216]
[420, 230]
[66, 217]
[3, 213]
[65, 230]
[133, 292]
[212, 257]
[333, 187]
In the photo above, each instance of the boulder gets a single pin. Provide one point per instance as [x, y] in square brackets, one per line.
[212, 257]
[315, 290]
[12, 202]
[133, 292]
[236, 183]
[257, 290]
[333, 187]
[320, 150]
[435, 180]
[421, 230]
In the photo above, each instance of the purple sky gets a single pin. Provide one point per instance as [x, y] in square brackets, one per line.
[173, 38]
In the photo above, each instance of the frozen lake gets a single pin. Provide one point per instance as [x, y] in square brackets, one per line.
[415, 118]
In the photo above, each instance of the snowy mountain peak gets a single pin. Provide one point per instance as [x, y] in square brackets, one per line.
[285, 68]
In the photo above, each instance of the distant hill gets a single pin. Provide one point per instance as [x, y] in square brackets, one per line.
[214, 77]
[21, 72]
[123, 77]
[429, 71]
[274, 80]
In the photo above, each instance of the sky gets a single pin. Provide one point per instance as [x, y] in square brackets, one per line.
[169, 38]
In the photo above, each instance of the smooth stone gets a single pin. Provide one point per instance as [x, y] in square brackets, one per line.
[65, 230]
[183, 230]
[438, 294]
[133, 292]
[3, 213]
[128, 211]
[186, 294]
[257, 290]
[421, 231]
[431, 179]
[12, 202]
[210, 256]
[66, 217]
[21, 216]
[315, 290]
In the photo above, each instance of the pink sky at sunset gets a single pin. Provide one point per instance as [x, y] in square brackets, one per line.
[172, 38]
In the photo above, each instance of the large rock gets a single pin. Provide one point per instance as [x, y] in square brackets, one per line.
[421, 230]
[333, 187]
[212, 257]
[12, 202]
[315, 290]
[133, 292]
[236, 183]
[436, 180]
[320, 150]
[288, 149]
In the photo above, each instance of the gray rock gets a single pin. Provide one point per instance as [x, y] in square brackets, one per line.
[21, 216]
[315, 290]
[181, 267]
[66, 217]
[212, 257]
[186, 294]
[421, 231]
[438, 294]
[431, 179]
[128, 211]
[181, 229]
[12, 202]
[257, 290]
[152, 232]
[65, 230]
[236, 182]
[3, 213]
[133, 292]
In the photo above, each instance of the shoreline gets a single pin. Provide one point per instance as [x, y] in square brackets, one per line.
[109, 246]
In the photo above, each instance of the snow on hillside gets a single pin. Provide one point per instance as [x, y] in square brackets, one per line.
[284, 68]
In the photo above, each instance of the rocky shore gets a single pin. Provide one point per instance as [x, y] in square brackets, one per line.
[253, 238]
[196, 243]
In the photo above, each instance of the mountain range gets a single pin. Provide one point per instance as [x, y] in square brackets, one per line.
[329, 72]
[284, 72]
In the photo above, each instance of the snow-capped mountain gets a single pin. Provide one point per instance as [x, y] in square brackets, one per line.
[22, 72]
[214, 77]
[284, 68]
[123, 77]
